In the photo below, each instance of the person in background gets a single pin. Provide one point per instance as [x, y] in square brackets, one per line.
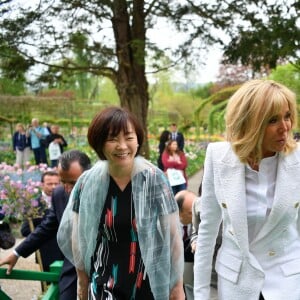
[185, 200]
[177, 136]
[38, 135]
[56, 143]
[297, 136]
[174, 159]
[251, 184]
[123, 235]
[21, 145]
[49, 250]
[71, 165]
[163, 140]
[47, 127]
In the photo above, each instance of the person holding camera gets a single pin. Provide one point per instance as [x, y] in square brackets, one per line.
[38, 135]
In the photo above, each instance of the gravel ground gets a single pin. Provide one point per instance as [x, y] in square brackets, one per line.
[21, 289]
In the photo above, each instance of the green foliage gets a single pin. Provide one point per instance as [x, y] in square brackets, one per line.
[107, 93]
[288, 75]
[271, 35]
[210, 109]
[169, 103]
[13, 67]
[216, 111]
[8, 156]
[11, 87]
[202, 91]
[195, 157]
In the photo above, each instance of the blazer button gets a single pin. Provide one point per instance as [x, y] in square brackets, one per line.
[272, 253]
[231, 232]
[224, 205]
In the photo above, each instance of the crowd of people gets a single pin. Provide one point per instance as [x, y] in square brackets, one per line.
[45, 142]
[129, 229]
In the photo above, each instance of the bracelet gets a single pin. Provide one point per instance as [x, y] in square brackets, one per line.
[16, 253]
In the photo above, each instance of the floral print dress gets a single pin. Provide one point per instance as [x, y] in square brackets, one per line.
[117, 269]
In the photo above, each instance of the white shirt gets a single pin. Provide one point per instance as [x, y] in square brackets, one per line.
[260, 187]
[47, 199]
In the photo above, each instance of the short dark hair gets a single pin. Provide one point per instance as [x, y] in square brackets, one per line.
[111, 121]
[68, 157]
[179, 200]
[48, 173]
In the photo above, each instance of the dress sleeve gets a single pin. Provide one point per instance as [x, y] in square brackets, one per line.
[211, 218]
[68, 232]
[160, 234]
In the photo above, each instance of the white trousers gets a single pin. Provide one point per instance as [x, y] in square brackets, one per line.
[23, 156]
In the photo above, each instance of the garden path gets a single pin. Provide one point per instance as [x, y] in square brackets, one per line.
[21, 289]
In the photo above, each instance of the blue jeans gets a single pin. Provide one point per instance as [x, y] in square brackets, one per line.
[178, 188]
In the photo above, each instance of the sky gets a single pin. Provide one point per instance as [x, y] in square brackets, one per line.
[208, 68]
[161, 34]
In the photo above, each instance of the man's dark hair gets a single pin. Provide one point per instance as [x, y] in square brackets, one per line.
[68, 157]
[48, 173]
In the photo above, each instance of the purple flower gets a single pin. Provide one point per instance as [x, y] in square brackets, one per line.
[34, 203]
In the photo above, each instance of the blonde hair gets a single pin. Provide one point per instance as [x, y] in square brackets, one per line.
[20, 125]
[248, 113]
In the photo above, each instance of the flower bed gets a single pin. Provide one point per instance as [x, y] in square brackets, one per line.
[19, 189]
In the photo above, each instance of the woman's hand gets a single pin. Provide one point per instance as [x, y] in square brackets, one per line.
[177, 292]
[82, 285]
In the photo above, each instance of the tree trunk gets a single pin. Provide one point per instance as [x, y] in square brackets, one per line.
[131, 81]
[137, 103]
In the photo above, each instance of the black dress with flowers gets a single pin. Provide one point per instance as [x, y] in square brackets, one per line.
[117, 269]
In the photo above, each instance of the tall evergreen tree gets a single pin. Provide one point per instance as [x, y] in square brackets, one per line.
[116, 32]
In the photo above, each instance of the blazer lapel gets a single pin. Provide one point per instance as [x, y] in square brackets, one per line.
[232, 178]
[286, 190]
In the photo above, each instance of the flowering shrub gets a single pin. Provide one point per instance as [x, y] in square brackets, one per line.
[19, 187]
[19, 190]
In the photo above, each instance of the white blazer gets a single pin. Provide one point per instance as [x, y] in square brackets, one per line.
[271, 263]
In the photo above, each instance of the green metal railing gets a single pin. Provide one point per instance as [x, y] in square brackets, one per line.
[52, 292]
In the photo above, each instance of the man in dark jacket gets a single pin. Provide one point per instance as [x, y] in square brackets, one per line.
[49, 250]
[71, 165]
[177, 136]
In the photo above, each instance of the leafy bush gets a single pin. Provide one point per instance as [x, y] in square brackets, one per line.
[8, 156]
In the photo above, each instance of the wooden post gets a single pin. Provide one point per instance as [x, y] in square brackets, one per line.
[38, 257]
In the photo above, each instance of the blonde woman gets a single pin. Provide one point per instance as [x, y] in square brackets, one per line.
[251, 183]
[21, 145]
